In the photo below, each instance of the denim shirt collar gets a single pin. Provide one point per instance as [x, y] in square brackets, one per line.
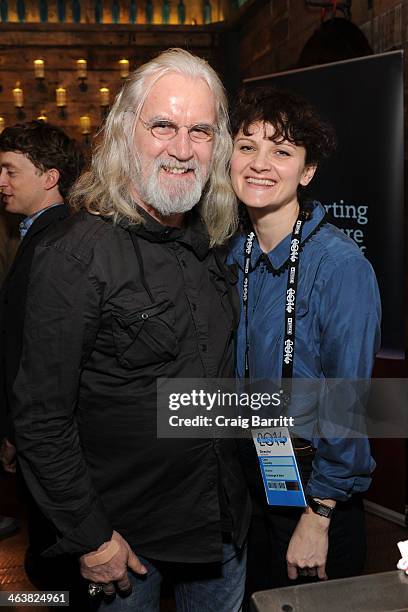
[278, 258]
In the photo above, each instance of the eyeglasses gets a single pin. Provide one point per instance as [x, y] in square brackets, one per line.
[162, 129]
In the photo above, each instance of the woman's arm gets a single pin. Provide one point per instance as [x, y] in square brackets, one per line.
[350, 334]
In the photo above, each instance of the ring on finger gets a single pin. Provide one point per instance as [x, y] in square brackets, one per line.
[94, 589]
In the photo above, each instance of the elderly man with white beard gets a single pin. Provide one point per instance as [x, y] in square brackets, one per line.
[127, 290]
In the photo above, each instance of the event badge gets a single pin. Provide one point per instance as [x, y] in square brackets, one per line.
[277, 462]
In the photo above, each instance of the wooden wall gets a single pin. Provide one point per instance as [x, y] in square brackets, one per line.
[102, 46]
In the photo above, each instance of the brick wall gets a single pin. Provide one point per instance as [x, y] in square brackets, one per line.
[273, 34]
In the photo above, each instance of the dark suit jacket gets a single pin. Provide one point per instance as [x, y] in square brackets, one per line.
[12, 308]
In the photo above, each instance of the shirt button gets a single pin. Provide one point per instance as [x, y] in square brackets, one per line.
[193, 306]
[183, 263]
[204, 348]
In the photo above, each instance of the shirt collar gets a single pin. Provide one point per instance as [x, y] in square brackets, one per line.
[194, 233]
[27, 222]
[279, 256]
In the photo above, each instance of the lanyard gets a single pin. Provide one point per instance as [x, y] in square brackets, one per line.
[290, 306]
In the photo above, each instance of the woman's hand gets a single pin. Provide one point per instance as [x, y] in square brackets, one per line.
[307, 551]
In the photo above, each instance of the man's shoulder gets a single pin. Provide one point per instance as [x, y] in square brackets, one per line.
[56, 212]
[45, 221]
[78, 234]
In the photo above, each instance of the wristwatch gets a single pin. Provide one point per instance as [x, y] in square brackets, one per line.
[319, 508]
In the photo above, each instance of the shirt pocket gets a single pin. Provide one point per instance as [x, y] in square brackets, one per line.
[145, 335]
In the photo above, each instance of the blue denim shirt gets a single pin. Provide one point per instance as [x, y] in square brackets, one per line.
[337, 333]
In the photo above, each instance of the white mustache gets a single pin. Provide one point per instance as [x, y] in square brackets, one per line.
[170, 164]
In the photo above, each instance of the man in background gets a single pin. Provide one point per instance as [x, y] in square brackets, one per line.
[38, 166]
[9, 241]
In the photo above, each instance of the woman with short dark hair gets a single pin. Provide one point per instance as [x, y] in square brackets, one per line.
[332, 332]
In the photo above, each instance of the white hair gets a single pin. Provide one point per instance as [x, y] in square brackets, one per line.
[105, 188]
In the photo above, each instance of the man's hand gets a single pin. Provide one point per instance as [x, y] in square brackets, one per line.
[115, 570]
[307, 551]
[8, 456]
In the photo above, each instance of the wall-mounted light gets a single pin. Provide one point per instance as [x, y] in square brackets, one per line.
[104, 95]
[2, 124]
[39, 73]
[39, 68]
[82, 73]
[61, 101]
[85, 127]
[42, 117]
[18, 98]
[124, 68]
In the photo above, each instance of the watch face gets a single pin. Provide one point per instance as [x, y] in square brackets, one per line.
[323, 510]
[320, 509]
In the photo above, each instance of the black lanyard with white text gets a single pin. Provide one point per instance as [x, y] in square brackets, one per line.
[290, 306]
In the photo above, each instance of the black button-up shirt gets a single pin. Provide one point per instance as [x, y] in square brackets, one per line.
[107, 314]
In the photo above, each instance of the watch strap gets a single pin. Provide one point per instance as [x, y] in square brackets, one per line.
[320, 508]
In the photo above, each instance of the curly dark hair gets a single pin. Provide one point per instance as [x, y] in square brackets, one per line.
[292, 116]
[46, 146]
